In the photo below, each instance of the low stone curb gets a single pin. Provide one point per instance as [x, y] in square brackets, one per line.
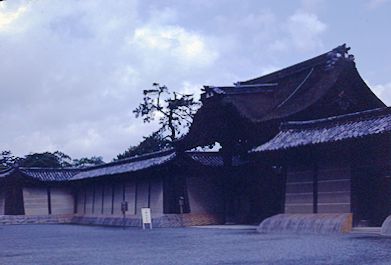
[307, 224]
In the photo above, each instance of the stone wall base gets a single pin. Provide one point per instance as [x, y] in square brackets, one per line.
[193, 219]
[34, 219]
[307, 223]
[386, 227]
[168, 220]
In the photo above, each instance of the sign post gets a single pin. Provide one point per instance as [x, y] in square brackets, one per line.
[124, 209]
[146, 217]
[181, 204]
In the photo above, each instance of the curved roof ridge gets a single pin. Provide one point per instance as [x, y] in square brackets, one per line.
[324, 58]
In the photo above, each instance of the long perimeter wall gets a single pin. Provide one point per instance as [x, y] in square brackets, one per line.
[40, 200]
[104, 198]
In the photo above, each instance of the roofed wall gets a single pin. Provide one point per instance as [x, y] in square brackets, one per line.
[139, 193]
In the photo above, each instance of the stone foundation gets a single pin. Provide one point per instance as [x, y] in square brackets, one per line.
[34, 219]
[168, 220]
[386, 227]
[193, 219]
[307, 223]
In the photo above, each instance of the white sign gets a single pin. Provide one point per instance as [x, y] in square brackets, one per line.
[146, 217]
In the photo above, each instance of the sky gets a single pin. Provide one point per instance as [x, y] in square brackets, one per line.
[71, 72]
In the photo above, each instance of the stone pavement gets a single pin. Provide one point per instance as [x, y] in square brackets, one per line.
[235, 227]
[83, 245]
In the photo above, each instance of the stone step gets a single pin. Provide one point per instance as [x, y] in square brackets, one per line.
[366, 230]
[234, 227]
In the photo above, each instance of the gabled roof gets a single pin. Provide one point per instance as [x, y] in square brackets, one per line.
[287, 91]
[333, 129]
[283, 94]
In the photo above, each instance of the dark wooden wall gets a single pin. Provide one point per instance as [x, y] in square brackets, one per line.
[334, 179]
[319, 180]
[176, 186]
[258, 191]
[344, 177]
[299, 191]
[371, 181]
[205, 191]
[13, 204]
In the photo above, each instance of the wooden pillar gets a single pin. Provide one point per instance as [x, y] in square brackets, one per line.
[112, 198]
[229, 211]
[103, 198]
[315, 188]
[283, 178]
[49, 200]
[314, 179]
[136, 196]
[93, 198]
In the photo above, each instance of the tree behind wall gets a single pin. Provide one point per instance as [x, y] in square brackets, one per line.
[47, 159]
[174, 111]
[7, 159]
[153, 143]
[86, 161]
[58, 160]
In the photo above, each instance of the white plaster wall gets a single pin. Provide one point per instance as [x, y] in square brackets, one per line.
[35, 200]
[62, 201]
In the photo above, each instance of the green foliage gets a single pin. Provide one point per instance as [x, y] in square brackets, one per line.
[47, 159]
[175, 111]
[7, 159]
[153, 143]
[85, 161]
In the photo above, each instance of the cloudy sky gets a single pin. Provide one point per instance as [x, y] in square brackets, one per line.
[72, 71]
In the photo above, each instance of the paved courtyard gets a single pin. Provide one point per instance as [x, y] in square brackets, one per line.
[71, 244]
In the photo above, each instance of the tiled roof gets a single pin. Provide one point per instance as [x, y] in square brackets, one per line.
[127, 165]
[49, 174]
[355, 125]
[133, 164]
[212, 159]
[6, 172]
[41, 174]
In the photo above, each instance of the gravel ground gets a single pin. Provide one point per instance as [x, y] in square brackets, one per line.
[71, 244]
